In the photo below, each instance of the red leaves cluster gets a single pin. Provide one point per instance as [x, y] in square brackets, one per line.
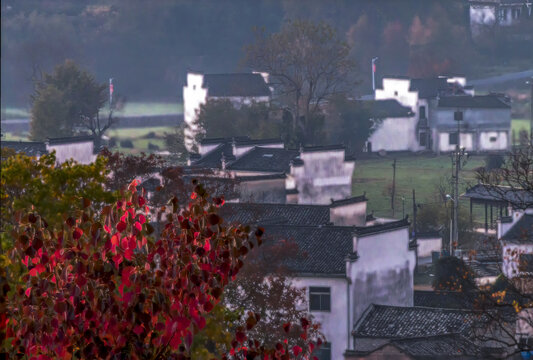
[99, 287]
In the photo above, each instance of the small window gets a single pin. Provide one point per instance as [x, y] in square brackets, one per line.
[396, 93]
[422, 139]
[319, 299]
[194, 87]
[458, 116]
[493, 139]
[453, 139]
[422, 112]
[323, 352]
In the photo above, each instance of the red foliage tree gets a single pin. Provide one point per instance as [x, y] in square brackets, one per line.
[101, 288]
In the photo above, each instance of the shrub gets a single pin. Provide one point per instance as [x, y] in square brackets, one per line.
[153, 146]
[150, 135]
[112, 142]
[493, 161]
[126, 143]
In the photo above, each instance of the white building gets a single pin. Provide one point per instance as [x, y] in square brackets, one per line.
[243, 88]
[490, 13]
[78, 148]
[516, 239]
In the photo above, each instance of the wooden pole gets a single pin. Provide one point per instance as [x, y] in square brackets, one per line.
[393, 186]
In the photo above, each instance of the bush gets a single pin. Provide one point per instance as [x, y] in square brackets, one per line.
[153, 146]
[493, 162]
[453, 274]
[127, 143]
[112, 142]
[150, 135]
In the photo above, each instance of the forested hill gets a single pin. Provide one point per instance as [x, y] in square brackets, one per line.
[147, 46]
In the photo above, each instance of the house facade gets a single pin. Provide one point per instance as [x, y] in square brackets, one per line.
[490, 13]
[441, 108]
[239, 88]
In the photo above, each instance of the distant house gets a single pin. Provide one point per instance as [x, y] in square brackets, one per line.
[429, 242]
[239, 88]
[490, 13]
[516, 237]
[314, 175]
[79, 148]
[438, 106]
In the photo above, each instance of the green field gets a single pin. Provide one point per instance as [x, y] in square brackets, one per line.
[139, 138]
[420, 172]
[520, 124]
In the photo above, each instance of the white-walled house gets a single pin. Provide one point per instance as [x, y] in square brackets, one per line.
[346, 269]
[239, 88]
[78, 148]
[314, 175]
[516, 240]
[490, 13]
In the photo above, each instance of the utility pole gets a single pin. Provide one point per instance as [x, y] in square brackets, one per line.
[393, 186]
[415, 240]
[530, 81]
[457, 156]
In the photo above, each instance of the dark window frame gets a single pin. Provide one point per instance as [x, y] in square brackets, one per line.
[458, 115]
[323, 352]
[320, 298]
[453, 138]
[422, 112]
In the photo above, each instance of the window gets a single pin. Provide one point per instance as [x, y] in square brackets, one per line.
[323, 352]
[194, 87]
[421, 112]
[493, 139]
[396, 93]
[422, 139]
[453, 139]
[458, 116]
[319, 299]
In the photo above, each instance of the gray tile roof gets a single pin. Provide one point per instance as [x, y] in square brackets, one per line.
[389, 108]
[478, 102]
[245, 84]
[444, 299]
[374, 229]
[323, 249]
[440, 347]
[482, 192]
[428, 87]
[396, 322]
[213, 158]
[265, 159]
[30, 148]
[521, 232]
[70, 139]
[351, 200]
[290, 214]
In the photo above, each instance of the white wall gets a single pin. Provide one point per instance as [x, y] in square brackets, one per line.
[349, 215]
[193, 97]
[82, 152]
[335, 322]
[398, 89]
[395, 134]
[466, 141]
[241, 149]
[511, 256]
[239, 101]
[501, 142]
[427, 246]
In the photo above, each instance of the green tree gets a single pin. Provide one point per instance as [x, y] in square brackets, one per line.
[308, 63]
[452, 273]
[67, 99]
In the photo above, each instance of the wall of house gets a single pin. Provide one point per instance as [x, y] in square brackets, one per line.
[263, 191]
[383, 274]
[395, 134]
[398, 89]
[511, 255]
[82, 152]
[324, 176]
[504, 227]
[241, 149]
[193, 96]
[349, 215]
[475, 123]
[524, 323]
[239, 101]
[427, 246]
[388, 352]
[334, 323]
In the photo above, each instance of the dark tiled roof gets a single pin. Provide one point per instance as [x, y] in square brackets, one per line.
[428, 234]
[478, 101]
[500, 194]
[521, 232]
[30, 148]
[324, 248]
[292, 191]
[428, 88]
[374, 229]
[290, 214]
[389, 108]
[265, 159]
[395, 322]
[322, 148]
[444, 299]
[213, 158]
[352, 200]
[441, 347]
[70, 139]
[235, 85]
[485, 268]
[260, 177]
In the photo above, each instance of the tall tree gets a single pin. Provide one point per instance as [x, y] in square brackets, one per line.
[307, 63]
[67, 99]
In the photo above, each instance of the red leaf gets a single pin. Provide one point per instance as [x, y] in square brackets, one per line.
[117, 259]
[121, 226]
[77, 233]
[296, 350]
[141, 201]
[138, 226]
[138, 329]
[287, 327]
[142, 219]
[28, 292]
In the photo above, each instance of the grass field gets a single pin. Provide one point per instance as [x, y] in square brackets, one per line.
[520, 124]
[139, 138]
[420, 172]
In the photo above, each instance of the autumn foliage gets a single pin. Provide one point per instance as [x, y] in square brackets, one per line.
[103, 287]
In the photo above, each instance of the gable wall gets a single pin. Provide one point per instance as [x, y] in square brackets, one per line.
[82, 152]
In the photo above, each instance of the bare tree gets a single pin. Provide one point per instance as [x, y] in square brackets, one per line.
[307, 63]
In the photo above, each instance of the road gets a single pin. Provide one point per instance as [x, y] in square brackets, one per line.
[494, 80]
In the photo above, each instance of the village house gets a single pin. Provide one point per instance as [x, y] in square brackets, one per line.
[314, 175]
[78, 148]
[439, 108]
[491, 13]
[239, 88]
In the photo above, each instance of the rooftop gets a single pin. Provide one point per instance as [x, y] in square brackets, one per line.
[521, 232]
[30, 148]
[265, 159]
[396, 322]
[389, 108]
[444, 299]
[516, 197]
[348, 201]
[237, 84]
[374, 229]
[478, 102]
[439, 347]
[428, 87]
